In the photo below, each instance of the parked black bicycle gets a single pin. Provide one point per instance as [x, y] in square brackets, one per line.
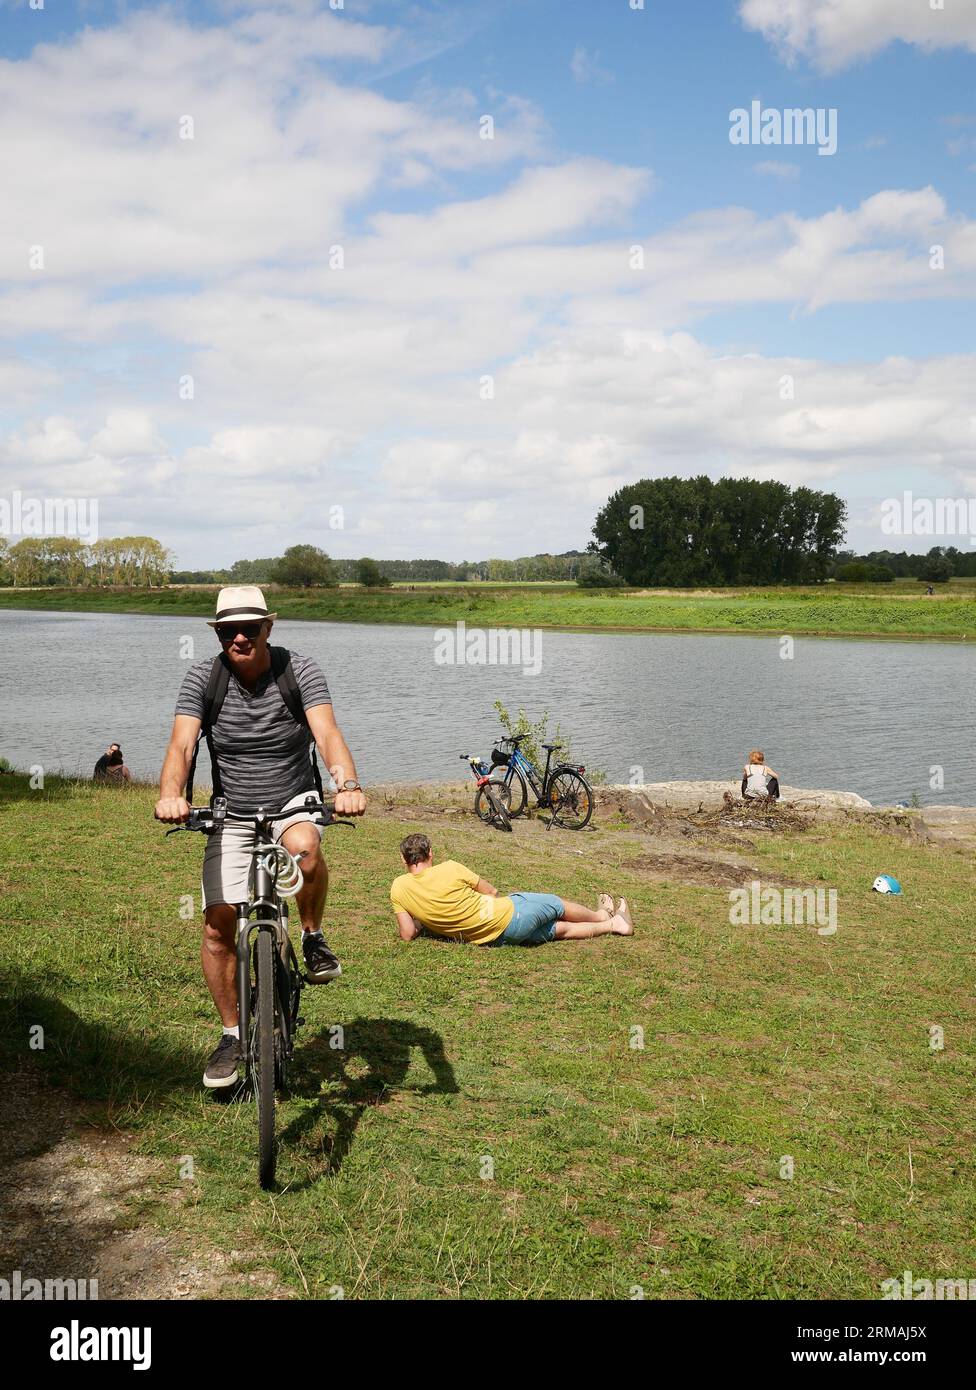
[488, 801]
[269, 978]
[561, 789]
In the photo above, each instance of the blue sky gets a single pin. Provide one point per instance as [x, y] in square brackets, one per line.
[363, 387]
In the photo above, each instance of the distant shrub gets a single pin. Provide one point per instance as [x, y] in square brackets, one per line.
[860, 572]
[369, 574]
[935, 571]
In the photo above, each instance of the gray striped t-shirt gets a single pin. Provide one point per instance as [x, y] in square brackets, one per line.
[262, 752]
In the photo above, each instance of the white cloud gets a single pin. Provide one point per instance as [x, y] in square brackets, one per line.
[54, 441]
[542, 203]
[127, 434]
[585, 67]
[23, 381]
[836, 33]
[778, 168]
[280, 158]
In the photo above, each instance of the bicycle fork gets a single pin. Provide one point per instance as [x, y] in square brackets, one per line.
[246, 930]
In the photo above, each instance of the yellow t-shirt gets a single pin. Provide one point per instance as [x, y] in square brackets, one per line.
[444, 899]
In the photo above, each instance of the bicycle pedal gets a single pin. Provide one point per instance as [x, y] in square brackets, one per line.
[298, 1022]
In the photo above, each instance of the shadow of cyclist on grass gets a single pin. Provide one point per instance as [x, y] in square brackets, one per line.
[66, 1078]
[368, 1070]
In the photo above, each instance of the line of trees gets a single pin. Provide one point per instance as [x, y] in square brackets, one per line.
[941, 563]
[127, 561]
[667, 532]
[133, 561]
[564, 567]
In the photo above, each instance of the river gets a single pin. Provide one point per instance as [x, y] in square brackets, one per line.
[876, 718]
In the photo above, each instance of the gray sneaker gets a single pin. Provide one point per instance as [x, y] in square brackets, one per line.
[222, 1065]
[321, 964]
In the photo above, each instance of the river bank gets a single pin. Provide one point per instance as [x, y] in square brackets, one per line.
[677, 804]
[829, 611]
[658, 803]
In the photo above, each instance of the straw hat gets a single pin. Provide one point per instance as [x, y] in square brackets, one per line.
[240, 602]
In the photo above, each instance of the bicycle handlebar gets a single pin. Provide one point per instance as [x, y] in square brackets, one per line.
[206, 819]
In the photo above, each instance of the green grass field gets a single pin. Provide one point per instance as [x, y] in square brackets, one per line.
[894, 610]
[612, 1167]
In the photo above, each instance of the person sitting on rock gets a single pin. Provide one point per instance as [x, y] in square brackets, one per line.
[759, 782]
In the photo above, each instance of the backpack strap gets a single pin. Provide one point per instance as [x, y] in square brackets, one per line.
[213, 699]
[283, 672]
[284, 675]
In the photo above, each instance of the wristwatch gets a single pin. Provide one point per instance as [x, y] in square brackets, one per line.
[351, 787]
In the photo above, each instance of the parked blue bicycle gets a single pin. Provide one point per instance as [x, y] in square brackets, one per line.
[561, 789]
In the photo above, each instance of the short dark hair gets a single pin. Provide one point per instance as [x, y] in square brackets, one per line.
[415, 848]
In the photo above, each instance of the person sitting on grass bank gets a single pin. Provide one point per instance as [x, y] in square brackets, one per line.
[101, 767]
[758, 780]
[116, 771]
[453, 901]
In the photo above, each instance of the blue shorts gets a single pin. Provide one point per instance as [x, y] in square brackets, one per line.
[534, 920]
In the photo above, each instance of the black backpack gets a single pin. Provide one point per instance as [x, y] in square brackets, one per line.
[213, 700]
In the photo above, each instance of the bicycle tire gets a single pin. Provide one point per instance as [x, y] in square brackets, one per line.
[518, 794]
[263, 1056]
[484, 809]
[498, 815]
[570, 799]
[502, 819]
[282, 1024]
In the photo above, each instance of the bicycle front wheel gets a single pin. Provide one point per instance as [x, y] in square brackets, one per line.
[263, 1055]
[511, 795]
[491, 807]
[518, 793]
[570, 799]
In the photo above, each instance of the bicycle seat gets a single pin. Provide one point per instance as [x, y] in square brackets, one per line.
[550, 745]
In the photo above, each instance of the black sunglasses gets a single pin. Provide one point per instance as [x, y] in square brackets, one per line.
[228, 631]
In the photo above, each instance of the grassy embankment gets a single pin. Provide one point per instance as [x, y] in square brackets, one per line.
[614, 1167]
[896, 610]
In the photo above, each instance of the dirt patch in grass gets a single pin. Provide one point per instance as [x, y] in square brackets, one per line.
[68, 1194]
[677, 868]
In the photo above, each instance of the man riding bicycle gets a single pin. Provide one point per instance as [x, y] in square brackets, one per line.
[262, 711]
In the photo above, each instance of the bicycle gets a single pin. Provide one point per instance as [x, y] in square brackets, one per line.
[269, 978]
[562, 790]
[488, 804]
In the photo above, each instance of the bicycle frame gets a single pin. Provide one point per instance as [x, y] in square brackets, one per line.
[518, 761]
[271, 914]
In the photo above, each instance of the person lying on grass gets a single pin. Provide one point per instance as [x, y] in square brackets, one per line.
[453, 901]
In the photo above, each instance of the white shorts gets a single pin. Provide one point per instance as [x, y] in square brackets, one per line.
[228, 858]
